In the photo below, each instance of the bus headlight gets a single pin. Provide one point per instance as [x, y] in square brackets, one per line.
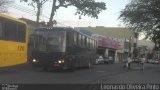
[34, 60]
[60, 61]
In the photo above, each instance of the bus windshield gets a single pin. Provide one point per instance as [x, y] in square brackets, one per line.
[56, 41]
[52, 40]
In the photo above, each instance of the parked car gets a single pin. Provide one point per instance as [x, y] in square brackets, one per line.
[153, 61]
[111, 60]
[99, 60]
[150, 61]
[108, 60]
[156, 61]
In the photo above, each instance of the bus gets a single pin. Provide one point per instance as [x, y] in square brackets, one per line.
[61, 48]
[13, 41]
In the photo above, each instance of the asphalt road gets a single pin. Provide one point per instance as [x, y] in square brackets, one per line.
[110, 74]
[31, 75]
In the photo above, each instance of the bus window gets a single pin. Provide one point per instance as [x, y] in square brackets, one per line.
[91, 43]
[21, 33]
[79, 40]
[10, 30]
[1, 29]
[75, 38]
[83, 41]
[94, 44]
[87, 42]
[69, 39]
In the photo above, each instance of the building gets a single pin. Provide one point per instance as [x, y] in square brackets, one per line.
[115, 32]
[112, 41]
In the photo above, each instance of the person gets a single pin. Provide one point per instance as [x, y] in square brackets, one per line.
[142, 62]
[129, 62]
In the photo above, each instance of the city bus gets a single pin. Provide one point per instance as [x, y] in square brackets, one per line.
[13, 41]
[61, 48]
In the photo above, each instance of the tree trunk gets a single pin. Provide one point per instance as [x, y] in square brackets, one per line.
[50, 23]
[38, 12]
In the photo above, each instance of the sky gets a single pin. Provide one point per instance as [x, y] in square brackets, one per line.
[66, 17]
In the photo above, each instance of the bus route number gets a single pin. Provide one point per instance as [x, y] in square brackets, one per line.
[20, 48]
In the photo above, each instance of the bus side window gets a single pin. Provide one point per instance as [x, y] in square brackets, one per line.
[79, 39]
[94, 44]
[85, 42]
[10, 30]
[91, 43]
[21, 33]
[88, 43]
[75, 38]
[69, 39]
[1, 29]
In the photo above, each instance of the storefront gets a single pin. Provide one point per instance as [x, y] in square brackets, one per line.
[107, 47]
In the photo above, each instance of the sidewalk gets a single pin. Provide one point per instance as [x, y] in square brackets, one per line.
[136, 75]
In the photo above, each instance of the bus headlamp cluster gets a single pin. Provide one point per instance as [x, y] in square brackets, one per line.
[34, 60]
[60, 61]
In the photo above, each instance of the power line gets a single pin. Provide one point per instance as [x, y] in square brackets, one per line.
[32, 12]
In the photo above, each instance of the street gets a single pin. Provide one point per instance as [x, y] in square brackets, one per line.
[112, 73]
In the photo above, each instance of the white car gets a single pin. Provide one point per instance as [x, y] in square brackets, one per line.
[154, 61]
[99, 60]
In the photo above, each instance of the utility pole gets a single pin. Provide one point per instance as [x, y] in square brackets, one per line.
[39, 6]
[135, 50]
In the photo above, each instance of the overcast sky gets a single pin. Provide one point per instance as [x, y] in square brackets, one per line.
[65, 16]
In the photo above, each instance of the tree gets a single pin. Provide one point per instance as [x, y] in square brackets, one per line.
[3, 5]
[143, 16]
[39, 4]
[84, 7]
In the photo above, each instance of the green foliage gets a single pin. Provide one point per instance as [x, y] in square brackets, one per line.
[86, 7]
[36, 4]
[143, 16]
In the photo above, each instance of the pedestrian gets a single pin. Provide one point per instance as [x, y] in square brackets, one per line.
[129, 62]
[125, 64]
[142, 63]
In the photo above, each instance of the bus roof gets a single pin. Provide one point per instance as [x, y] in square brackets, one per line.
[11, 18]
[64, 28]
